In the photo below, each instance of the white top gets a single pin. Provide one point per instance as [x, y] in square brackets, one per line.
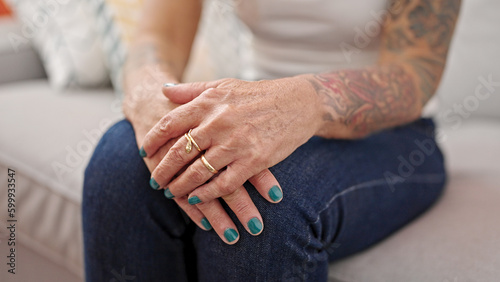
[293, 37]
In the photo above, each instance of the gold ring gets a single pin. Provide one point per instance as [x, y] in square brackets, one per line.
[191, 142]
[208, 165]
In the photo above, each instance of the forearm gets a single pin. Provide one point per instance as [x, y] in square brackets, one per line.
[146, 69]
[355, 103]
[159, 53]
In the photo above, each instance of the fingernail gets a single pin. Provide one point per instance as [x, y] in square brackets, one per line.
[255, 226]
[168, 194]
[230, 234]
[169, 84]
[142, 152]
[206, 224]
[275, 193]
[194, 200]
[154, 184]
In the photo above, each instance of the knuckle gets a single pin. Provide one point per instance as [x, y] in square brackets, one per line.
[163, 124]
[225, 150]
[258, 159]
[228, 115]
[176, 155]
[225, 188]
[210, 93]
[242, 207]
[198, 175]
[263, 175]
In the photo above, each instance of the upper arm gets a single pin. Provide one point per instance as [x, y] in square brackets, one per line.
[417, 35]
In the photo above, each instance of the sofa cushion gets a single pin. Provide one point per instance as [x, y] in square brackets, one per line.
[458, 239]
[17, 64]
[47, 138]
[63, 32]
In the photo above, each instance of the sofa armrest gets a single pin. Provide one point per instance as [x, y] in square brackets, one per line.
[18, 59]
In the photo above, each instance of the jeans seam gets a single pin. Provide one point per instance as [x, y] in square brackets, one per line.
[417, 178]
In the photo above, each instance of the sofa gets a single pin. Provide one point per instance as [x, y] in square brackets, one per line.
[47, 136]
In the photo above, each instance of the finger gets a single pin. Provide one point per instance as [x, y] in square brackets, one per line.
[194, 213]
[186, 92]
[172, 125]
[267, 185]
[197, 174]
[220, 220]
[226, 183]
[153, 162]
[246, 211]
[177, 158]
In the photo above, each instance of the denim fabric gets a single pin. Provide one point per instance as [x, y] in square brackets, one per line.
[340, 197]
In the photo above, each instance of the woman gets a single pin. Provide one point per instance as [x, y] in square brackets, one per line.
[269, 180]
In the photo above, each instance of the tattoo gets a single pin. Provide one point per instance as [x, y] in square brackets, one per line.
[428, 70]
[396, 7]
[366, 100]
[433, 21]
[416, 39]
[425, 26]
[397, 40]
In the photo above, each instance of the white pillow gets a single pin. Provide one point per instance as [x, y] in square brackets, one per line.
[64, 34]
[116, 22]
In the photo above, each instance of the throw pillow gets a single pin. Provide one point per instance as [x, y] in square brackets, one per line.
[116, 22]
[64, 34]
[4, 9]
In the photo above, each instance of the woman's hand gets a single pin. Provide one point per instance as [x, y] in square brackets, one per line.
[243, 128]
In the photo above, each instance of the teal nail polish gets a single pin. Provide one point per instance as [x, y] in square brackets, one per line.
[254, 225]
[230, 235]
[154, 184]
[169, 84]
[168, 194]
[194, 200]
[275, 193]
[206, 224]
[142, 152]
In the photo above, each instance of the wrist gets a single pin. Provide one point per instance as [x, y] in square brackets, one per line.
[142, 87]
[313, 92]
[330, 122]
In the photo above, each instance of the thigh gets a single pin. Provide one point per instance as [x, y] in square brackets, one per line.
[339, 198]
[129, 228]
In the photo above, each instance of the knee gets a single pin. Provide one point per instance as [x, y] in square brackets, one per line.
[116, 145]
[288, 236]
[116, 188]
[115, 153]
[115, 162]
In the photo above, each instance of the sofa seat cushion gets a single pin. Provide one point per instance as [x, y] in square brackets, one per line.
[47, 137]
[459, 238]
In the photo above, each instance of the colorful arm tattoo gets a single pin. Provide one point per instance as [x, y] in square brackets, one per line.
[415, 43]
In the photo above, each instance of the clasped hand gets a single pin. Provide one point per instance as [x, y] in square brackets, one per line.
[237, 130]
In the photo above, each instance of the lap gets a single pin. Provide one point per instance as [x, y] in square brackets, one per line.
[339, 197]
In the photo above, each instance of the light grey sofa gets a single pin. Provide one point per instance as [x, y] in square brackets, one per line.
[47, 136]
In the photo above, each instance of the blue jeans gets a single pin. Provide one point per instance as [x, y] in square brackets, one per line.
[340, 197]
